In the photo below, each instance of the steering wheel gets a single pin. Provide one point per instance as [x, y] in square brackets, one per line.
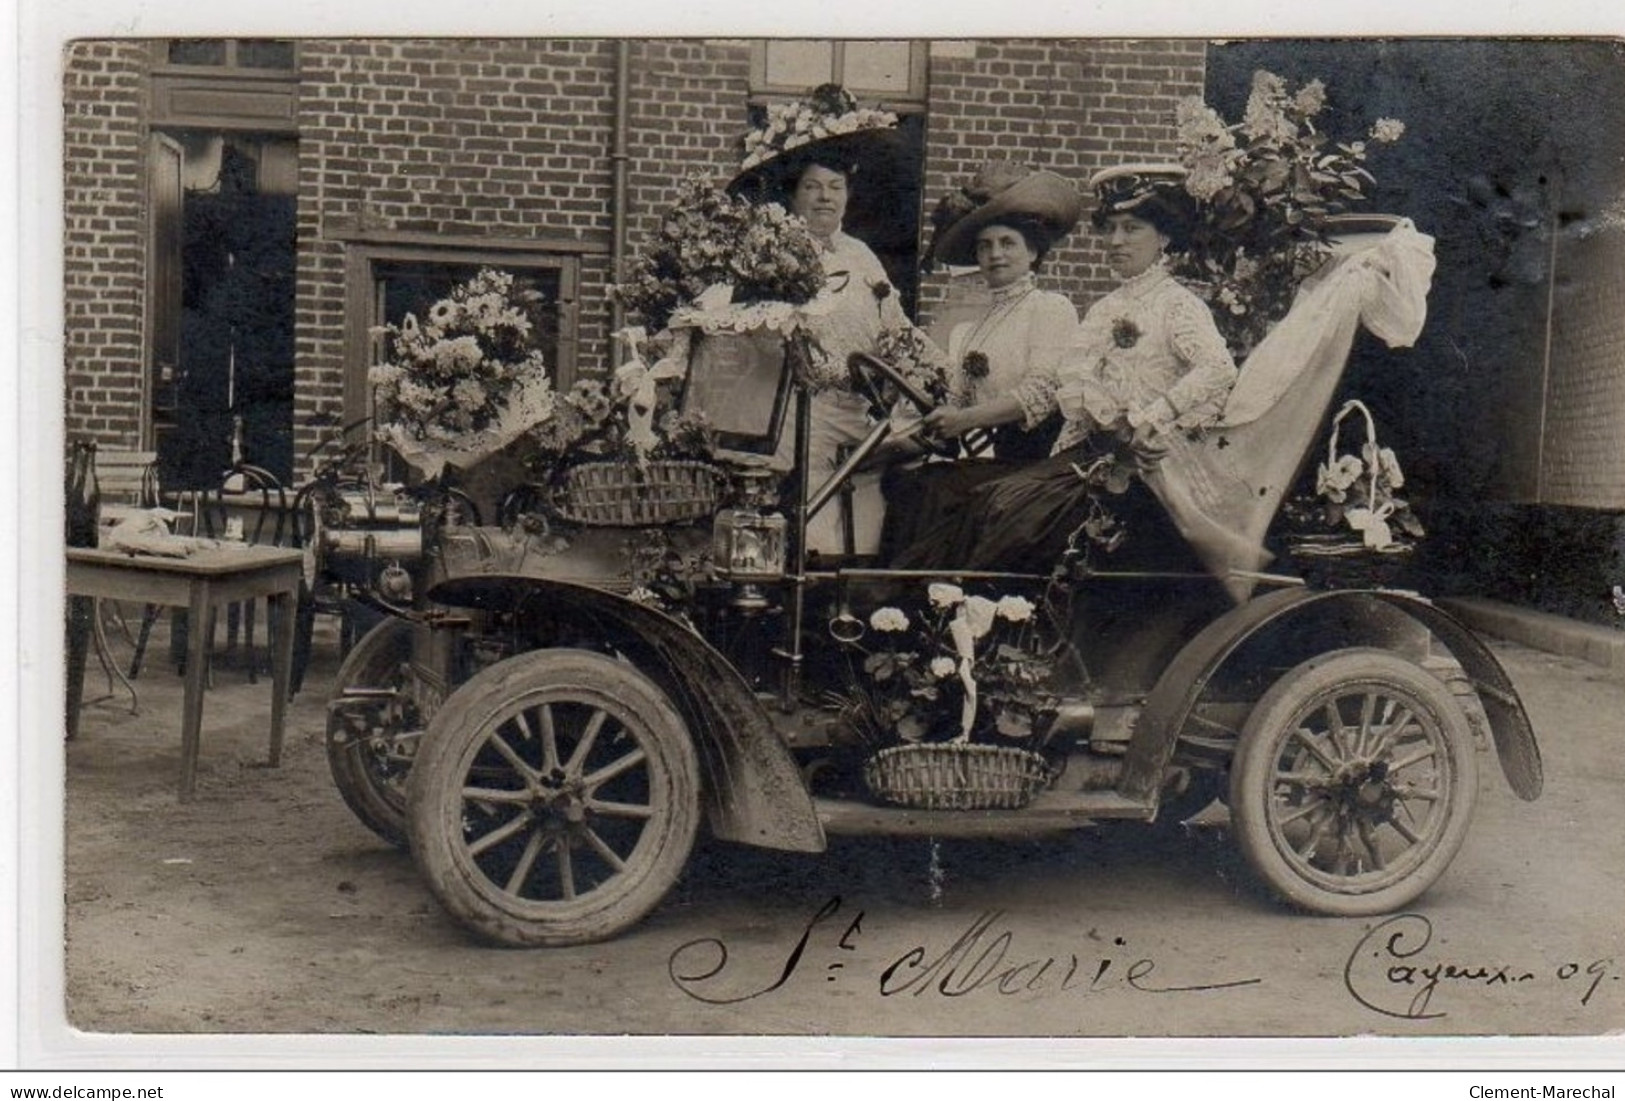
[864, 369]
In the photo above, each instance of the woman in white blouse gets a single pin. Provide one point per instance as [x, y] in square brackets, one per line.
[1147, 361]
[1003, 361]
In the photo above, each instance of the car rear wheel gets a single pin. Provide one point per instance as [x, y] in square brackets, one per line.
[1354, 783]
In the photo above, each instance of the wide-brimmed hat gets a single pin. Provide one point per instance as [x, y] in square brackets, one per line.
[1152, 192]
[827, 128]
[1000, 193]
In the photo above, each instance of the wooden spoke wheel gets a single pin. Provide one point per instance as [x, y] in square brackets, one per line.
[555, 799]
[1354, 783]
[373, 732]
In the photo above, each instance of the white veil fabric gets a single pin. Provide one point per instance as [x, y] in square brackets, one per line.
[1223, 490]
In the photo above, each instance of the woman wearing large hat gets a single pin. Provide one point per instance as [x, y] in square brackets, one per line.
[813, 156]
[1147, 362]
[1004, 222]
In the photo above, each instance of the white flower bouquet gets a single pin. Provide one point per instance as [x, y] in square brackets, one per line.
[466, 380]
[963, 667]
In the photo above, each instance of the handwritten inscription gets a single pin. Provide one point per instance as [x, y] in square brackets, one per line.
[1392, 973]
[984, 959]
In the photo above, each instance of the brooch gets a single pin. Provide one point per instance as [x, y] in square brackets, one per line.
[975, 365]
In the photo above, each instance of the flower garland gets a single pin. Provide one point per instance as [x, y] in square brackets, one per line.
[1264, 189]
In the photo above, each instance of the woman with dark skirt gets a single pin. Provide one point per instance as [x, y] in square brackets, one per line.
[1147, 361]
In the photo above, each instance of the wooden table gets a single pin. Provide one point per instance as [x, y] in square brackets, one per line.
[199, 582]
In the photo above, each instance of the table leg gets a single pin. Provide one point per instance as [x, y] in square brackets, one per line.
[80, 609]
[282, 607]
[197, 653]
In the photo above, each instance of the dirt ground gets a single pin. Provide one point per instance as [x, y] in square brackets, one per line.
[264, 907]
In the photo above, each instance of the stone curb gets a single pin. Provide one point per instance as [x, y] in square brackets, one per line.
[1555, 634]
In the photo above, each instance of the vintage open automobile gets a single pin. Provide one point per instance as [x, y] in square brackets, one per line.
[548, 740]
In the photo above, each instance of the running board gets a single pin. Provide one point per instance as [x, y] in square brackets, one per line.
[1050, 811]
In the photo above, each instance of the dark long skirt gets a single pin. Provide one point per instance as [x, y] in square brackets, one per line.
[1024, 521]
[918, 498]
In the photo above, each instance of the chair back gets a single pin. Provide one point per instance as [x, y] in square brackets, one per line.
[250, 494]
[128, 477]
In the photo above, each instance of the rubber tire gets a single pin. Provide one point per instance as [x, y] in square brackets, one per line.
[1298, 694]
[435, 806]
[375, 662]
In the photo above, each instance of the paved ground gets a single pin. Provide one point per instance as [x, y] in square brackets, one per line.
[264, 906]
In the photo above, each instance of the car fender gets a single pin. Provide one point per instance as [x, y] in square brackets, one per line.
[1386, 618]
[753, 790]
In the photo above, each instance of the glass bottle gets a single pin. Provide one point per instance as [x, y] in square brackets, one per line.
[84, 496]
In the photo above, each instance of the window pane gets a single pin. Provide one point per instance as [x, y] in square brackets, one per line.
[197, 51]
[877, 66]
[800, 64]
[265, 53]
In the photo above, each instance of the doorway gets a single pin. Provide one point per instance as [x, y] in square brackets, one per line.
[225, 245]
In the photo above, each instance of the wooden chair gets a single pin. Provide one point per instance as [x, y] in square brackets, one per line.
[125, 479]
[255, 499]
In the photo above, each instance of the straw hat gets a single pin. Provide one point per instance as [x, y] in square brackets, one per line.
[999, 193]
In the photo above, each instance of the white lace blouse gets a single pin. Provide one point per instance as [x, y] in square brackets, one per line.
[1023, 334]
[1148, 353]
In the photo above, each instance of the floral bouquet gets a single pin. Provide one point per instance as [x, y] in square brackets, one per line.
[919, 361]
[630, 417]
[962, 668]
[1354, 515]
[1264, 189]
[713, 250]
[466, 380]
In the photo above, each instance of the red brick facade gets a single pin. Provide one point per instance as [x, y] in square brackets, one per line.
[509, 142]
[104, 226]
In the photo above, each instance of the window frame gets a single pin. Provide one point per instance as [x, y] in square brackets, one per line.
[222, 97]
[911, 101]
[363, 261]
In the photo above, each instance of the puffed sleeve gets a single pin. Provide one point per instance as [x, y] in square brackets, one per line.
[1052, 329]
[1197, 398]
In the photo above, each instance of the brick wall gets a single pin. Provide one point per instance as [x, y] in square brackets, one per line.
[510, 140]
[504, 140]
[104, 219]
[1583, 459]
[1072, 106]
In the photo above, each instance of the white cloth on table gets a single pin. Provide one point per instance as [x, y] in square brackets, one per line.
[1223, 489]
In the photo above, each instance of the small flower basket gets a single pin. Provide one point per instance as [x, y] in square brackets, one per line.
[1357, 495]
[626, 494]
[957, 776]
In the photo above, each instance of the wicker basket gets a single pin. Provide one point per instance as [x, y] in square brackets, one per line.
[1332, 562]
[1342, 560]
[956, 776]
[618, 494]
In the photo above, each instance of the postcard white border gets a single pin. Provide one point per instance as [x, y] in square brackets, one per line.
[31, 947]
